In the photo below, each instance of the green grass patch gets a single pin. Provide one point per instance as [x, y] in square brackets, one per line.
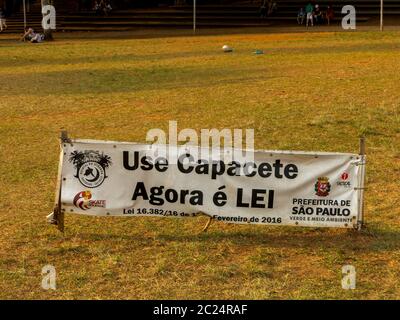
[309, 91]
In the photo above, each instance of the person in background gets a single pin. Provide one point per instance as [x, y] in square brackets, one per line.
[330, 14]
[3, 24]
[309, 13]
[263, 9]
[107, 8]
[272, 6]
[97, 7]
[317, 14]
[301, 14]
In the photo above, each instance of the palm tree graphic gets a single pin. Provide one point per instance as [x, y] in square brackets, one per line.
[105, 160]
[78, 158]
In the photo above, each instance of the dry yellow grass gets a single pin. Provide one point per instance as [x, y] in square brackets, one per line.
[317, 91]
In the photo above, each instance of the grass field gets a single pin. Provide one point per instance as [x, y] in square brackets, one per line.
[309, 91]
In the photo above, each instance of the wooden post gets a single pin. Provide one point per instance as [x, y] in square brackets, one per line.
[58, 212]
[362, 146]
[360, 221]
[64, 137]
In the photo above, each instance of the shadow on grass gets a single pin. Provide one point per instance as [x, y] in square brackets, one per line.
[341, 48]
[126, 80]
[366, 241]
[79, 58]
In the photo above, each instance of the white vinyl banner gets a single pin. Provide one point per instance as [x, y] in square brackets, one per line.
[320, 189]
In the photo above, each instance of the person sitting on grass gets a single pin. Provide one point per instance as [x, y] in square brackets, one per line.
[310, 13]
[32, 36]
[330, 15]
[301, 14]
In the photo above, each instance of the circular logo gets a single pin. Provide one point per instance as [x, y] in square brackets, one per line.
[345, 176]
[82, 200]
[91, 174]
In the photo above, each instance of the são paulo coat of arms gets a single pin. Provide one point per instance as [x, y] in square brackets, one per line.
[322, 187]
